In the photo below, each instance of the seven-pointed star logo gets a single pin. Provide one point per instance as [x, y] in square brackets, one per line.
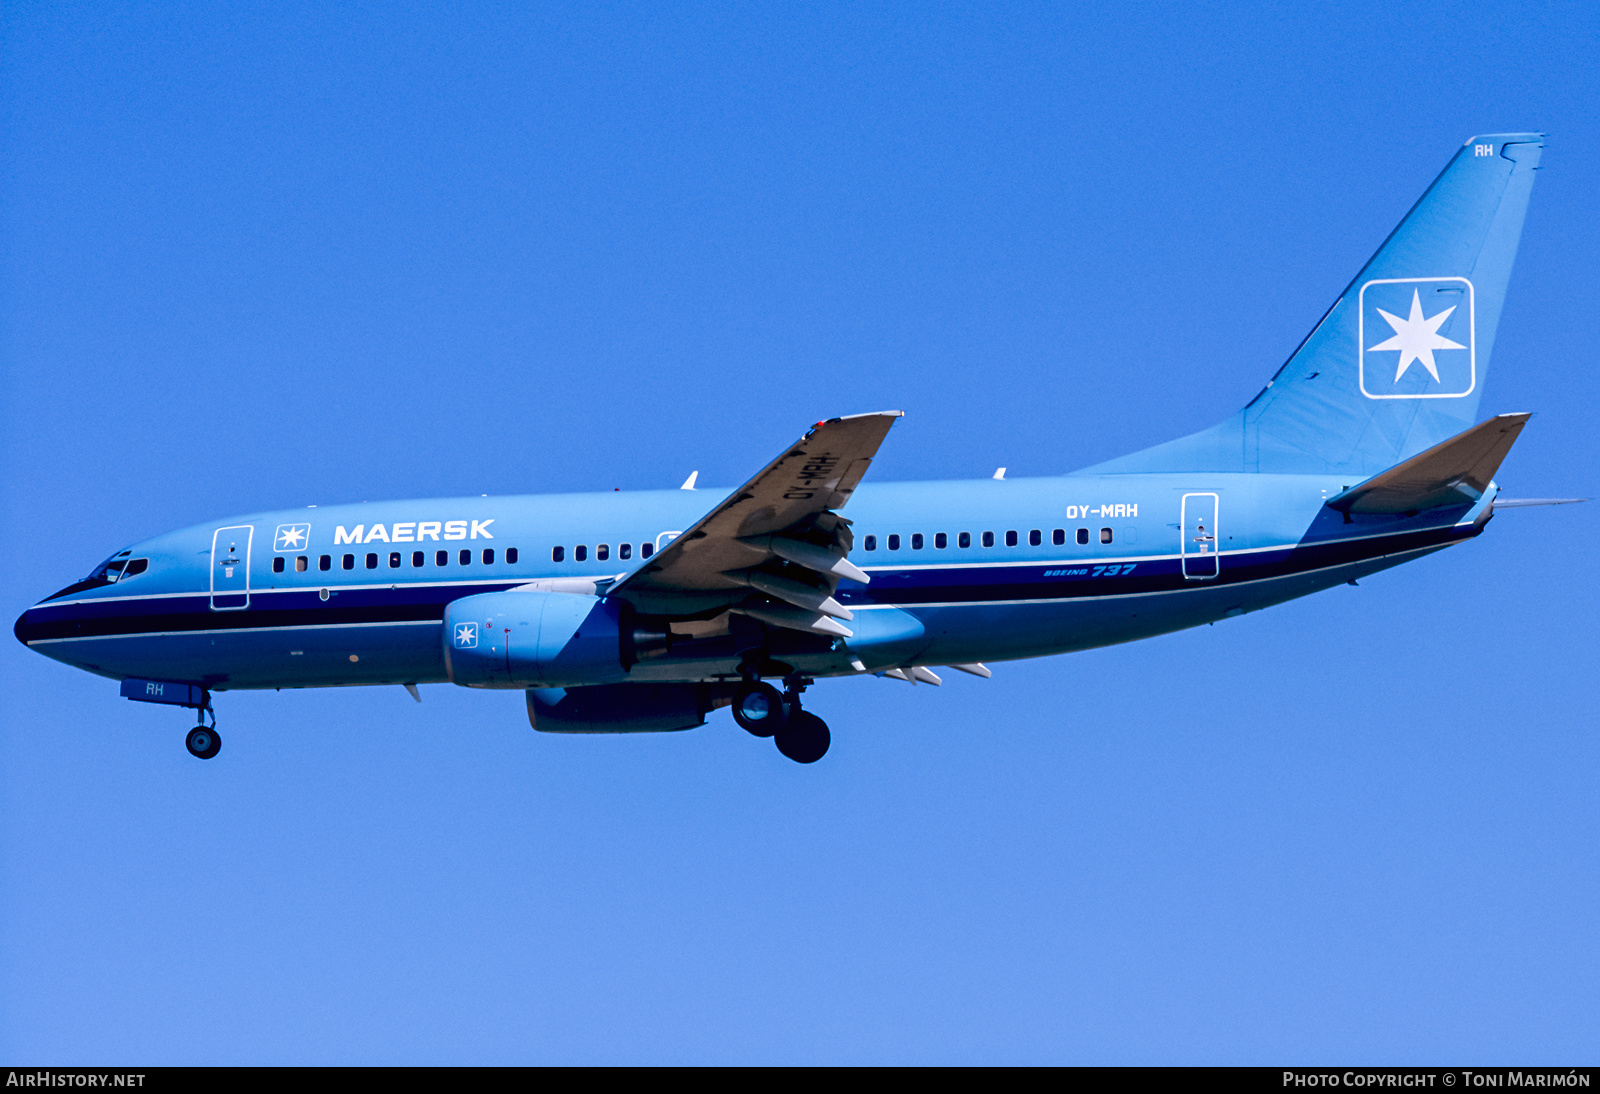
[466, 636]
[1416, 337]
[291, 536]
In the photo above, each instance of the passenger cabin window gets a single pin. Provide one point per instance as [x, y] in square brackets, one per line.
[441, 558]
[488, 556]
[602, 552]
[1058, 537]
[1011, 539]
[466, 557]
[511, 556]
[301, 564]
[1035, 538]
[964, 539]
[988, 539]
[580, 553]
[418, 558]
[394, 560]
[916, 541]
[558, 554]
[871, 543]
[624, 551]
[646, 550]
[348, 562]
[277, 564]
[1083, 535]
[372, 561]
[894, 543]
[1105, 535]
[325, 562]
[940, 540]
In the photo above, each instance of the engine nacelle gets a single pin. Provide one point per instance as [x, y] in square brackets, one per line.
[530, 637]
[621, 708]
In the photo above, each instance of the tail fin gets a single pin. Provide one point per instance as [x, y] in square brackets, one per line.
[1397, 364]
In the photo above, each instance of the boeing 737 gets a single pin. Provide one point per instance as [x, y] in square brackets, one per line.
[645, 611]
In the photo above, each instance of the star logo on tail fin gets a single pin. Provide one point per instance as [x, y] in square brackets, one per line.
[1416, 337]
[1430, 322]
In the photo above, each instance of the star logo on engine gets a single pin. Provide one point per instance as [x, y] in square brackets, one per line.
[465, 637]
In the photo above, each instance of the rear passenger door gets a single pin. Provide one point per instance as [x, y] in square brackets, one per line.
[1201, 559]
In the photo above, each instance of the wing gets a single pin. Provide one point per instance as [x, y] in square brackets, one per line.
[774, 549]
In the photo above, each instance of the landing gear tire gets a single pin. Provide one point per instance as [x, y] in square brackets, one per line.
[204, 742]
[805, 739]
[759, 709]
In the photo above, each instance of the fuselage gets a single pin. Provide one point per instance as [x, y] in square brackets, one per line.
[983, 570]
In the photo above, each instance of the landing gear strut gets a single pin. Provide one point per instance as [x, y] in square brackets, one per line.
[762, 710]
[204, 741]
[803, 737]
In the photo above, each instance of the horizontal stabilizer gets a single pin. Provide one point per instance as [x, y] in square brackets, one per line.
[1453, 472]
[1527, 503]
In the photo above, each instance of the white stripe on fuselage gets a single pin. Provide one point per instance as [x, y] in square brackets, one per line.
[241, 630]
[1198, 586]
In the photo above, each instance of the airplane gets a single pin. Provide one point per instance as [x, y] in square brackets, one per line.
[648, 610]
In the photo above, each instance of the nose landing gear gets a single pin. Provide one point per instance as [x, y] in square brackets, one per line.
[204, 741]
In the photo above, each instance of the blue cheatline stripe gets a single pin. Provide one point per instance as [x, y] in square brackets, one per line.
[949, 585]
[292, 608]
[1087, 580]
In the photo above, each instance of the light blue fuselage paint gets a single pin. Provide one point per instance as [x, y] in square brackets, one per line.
[1230, 520]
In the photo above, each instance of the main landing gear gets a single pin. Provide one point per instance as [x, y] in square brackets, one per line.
[762, 710]
[204, 741]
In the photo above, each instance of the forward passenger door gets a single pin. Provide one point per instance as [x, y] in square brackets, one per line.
[230, 567]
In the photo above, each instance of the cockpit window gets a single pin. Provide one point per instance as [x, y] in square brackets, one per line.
[111, 569]
[119, 567]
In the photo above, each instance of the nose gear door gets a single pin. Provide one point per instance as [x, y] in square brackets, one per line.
[230, 567]
[1199, 532]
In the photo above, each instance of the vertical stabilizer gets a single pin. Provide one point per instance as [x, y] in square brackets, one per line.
[1397, 364]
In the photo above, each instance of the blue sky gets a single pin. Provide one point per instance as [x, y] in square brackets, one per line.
[276, 255]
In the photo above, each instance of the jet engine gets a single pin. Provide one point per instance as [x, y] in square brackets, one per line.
[623, 708]
[537, 638]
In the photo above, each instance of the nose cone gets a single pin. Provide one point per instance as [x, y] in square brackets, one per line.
[40, 621]
[23, 628]
[36, 627]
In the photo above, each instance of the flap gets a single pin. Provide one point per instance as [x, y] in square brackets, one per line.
[780, 521]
